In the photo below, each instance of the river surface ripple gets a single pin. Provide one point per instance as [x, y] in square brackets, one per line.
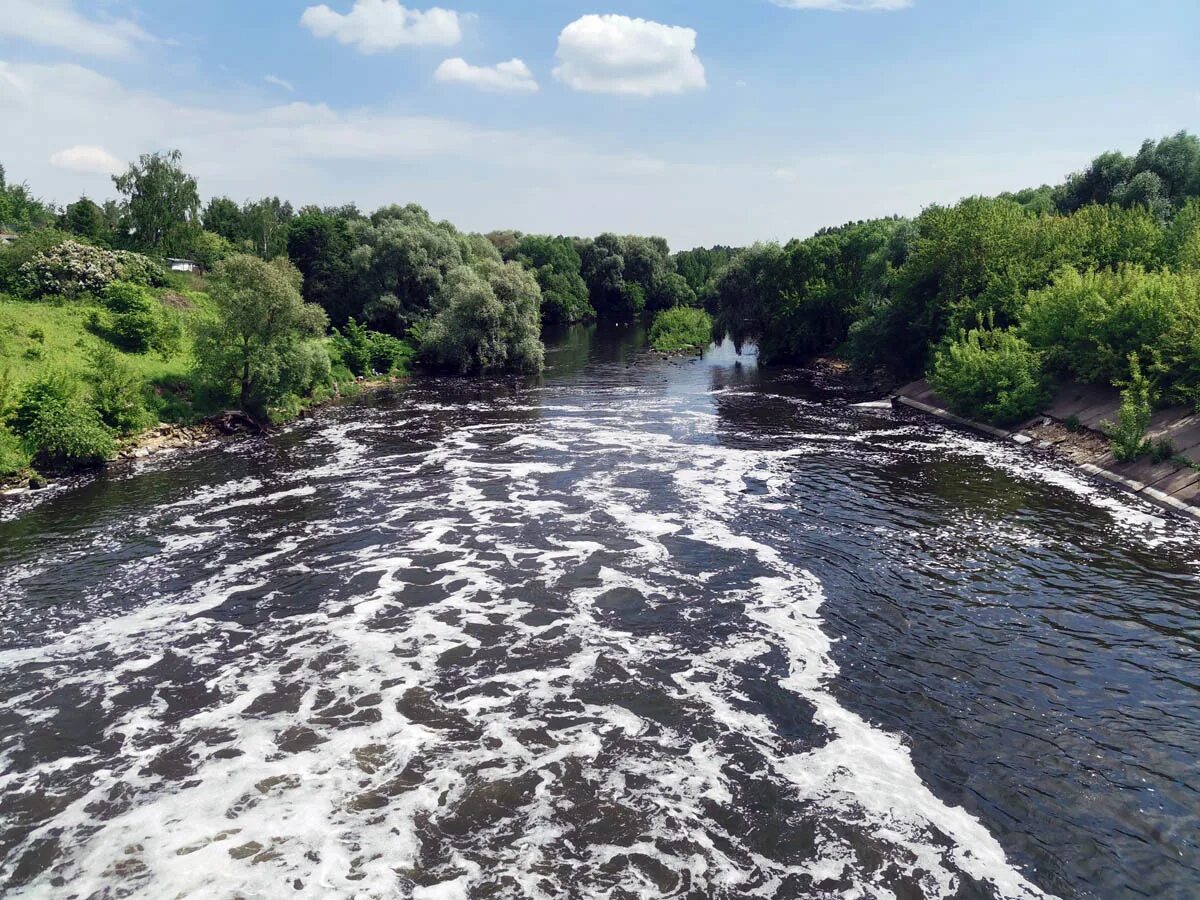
[642, 629]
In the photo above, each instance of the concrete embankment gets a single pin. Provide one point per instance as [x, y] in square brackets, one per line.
[1070, 429]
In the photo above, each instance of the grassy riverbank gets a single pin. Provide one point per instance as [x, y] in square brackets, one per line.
[63, 343]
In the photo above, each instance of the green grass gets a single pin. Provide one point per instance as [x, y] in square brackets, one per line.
[38, 338]
[679, 329]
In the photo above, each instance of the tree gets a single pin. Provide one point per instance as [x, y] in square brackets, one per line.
[320, 245]
[556, 264]
[488, 321]
[263, 342]
[224, 217]
[161, 201]
[400, 264]
[19, 209]
[86, 219]
[265, 225]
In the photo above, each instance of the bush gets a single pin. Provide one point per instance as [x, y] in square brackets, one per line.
[1133, 419]
[117, 393]
[13, 456]
[58, 430]
[138, 322]
[681, 328]
[366, 352]
[70, 269]
[28, 245]
[1089, 323]
[990, 375]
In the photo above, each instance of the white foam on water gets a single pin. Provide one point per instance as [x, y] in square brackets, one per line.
[486, 689]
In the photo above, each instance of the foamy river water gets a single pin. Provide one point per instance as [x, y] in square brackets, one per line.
[644, 628]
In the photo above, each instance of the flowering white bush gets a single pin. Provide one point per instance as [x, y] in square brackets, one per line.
[70, 269]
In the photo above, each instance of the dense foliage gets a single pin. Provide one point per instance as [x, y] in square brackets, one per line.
[681, 328]
[487, 321]
[990, 374]
[55, 427]
[262, 346]
[556, 263]
[1072, 279]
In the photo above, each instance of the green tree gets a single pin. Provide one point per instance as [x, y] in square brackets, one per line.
[85, 219]
[19, 209]
[161, 201]
[557, 266]
[320, 245]
[265, 225]
[488, 321]
[400, 265]
[224, 217]
[260, 346]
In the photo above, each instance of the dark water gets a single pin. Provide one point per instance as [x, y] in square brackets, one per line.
[644, 629]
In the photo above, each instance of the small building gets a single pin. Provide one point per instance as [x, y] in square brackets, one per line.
[182, 265]
[7, 237]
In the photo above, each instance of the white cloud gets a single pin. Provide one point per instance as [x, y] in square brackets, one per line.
[377, 25]
[279, 82]
[482, 178]
[847, 5]
[619, 55]
[87, 159]
[55, 23]
[513, 75]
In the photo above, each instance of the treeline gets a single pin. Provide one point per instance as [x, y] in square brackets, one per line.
[1095, 279]
[284, 306]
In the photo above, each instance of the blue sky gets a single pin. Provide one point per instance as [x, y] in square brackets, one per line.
[704, 121]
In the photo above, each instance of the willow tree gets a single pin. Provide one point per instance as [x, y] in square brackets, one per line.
[488, 321]
[264, 341]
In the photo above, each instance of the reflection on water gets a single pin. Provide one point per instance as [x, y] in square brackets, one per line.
[644, 628]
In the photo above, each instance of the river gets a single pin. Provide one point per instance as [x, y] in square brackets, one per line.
[644, 628]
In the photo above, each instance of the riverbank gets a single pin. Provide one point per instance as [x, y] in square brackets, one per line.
[168, 437]
[1069, 430]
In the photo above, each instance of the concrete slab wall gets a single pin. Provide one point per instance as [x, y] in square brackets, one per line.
[1173, 485]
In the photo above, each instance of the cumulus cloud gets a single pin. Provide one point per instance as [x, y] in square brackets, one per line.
[513, 75]
[374, 26]
[480, 177]
[619, 55]
[279, 82]
[847, 5]
[56, 23]
[87, 159]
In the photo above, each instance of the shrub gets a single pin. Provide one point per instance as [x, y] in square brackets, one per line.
[352, 347]
[28, 245]
[117, 393]
[1162, 449]
[1089, 323]
[990, 375]
[138, 322]
[364, 352]
[13, 456]
[141, 269]
[1133, 419]
[681, 328]
[58, 430]
[70, 269]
